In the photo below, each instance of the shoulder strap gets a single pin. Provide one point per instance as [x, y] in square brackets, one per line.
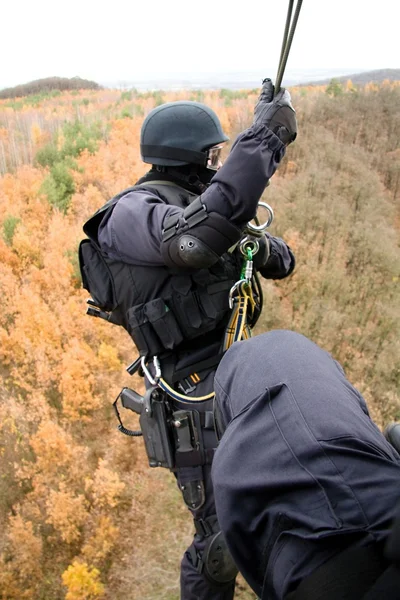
[171, 192]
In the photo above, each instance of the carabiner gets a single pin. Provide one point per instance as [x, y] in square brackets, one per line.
[232, 291]
[157, 368]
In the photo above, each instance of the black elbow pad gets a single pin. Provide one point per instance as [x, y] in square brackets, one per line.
[197, 238]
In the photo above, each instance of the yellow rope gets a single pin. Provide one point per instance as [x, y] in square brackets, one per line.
[174, 394]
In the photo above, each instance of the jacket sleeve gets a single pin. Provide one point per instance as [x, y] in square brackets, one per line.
[237, 187]
[132, 231]
[214, 222]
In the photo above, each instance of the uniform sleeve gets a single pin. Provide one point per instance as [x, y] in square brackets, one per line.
[237, 187]
[132, 231]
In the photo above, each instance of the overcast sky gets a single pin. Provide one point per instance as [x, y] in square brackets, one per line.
[120, 41]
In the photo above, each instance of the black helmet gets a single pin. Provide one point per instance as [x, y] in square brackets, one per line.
[179, 133]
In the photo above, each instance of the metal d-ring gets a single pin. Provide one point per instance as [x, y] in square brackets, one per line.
[248, 243]
[261, 228]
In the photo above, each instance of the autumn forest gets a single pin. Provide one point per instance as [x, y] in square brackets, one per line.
[82, 515]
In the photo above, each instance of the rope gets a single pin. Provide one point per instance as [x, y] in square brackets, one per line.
[182, 397]
[287, 41]
[238, 327]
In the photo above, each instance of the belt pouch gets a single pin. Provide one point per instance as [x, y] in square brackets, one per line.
[142, 332]
[164, 323]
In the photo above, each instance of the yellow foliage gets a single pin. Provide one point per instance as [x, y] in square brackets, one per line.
[57, 457]
[31, 346]
[106, 487]
[26, 247]
[102, 542]
[26, 547]
[83, 582]
[36, 134]
[20, 564]
[108, 357]
[67, 513]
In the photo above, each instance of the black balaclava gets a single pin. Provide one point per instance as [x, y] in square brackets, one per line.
[193, 178]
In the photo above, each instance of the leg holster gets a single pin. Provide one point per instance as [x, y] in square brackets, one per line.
[215, 561]
[173, 437]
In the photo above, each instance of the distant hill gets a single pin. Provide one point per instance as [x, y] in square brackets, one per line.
[361, 78]
[47, 85]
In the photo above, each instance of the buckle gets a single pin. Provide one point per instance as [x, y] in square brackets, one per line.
[202, 527]
[206, 527]
[185, 386]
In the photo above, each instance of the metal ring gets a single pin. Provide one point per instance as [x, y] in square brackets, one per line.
[267, 223]
[249, 244]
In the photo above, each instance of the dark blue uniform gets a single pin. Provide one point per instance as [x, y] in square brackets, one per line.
[132, 233]
[301, 471]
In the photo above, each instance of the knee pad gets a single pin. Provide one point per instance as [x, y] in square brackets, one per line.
[218, 564]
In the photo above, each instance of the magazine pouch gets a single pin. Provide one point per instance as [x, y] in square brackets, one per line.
[96, 276]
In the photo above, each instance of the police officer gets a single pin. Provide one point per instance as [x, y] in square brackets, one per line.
[305, 484]
[170, 244]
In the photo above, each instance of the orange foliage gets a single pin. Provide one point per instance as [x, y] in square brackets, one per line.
[71, 471]
[105, 487]
[67, 513]
[100, 545]
[20, 563]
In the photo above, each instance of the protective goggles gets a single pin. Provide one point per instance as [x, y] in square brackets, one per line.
[214, 157]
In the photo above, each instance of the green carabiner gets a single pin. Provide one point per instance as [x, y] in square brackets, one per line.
[245, 263]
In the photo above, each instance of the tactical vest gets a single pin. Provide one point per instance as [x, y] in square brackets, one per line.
[161, 308]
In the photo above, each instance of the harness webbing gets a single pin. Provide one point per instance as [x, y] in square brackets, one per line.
[242, 302]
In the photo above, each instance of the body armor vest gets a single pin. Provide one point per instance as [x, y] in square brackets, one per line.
[163, 309]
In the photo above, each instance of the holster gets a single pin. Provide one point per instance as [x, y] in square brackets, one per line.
[172, 438]
[155, 425]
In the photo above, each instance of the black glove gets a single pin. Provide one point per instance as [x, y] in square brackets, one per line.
[276, 113]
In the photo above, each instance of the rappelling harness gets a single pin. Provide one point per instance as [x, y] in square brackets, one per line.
[172, 437]
[207, 304]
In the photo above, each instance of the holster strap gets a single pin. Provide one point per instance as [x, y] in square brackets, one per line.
[206, 527]
[207, 419]
[191, 459]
